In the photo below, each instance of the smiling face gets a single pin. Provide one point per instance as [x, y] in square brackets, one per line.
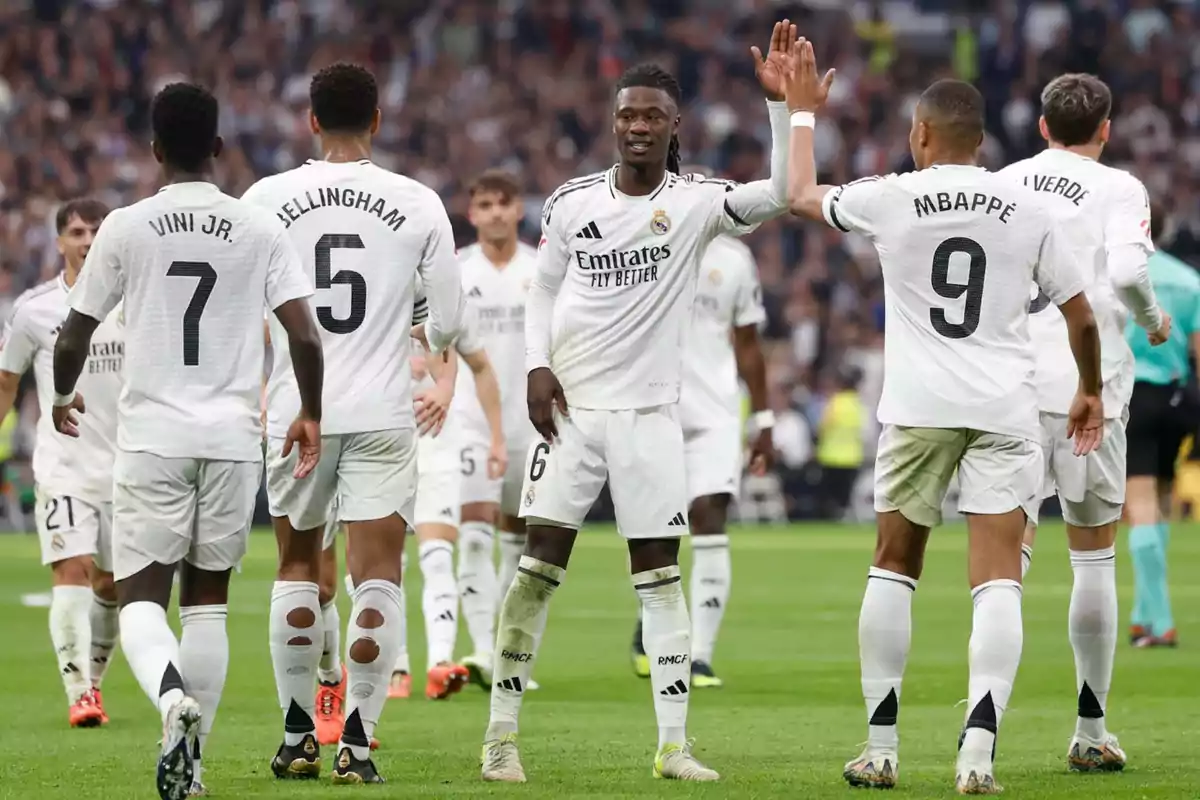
[76, 239]
[644, 121]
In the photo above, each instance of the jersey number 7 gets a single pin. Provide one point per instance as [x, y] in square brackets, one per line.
[191, 317]
[326, 278]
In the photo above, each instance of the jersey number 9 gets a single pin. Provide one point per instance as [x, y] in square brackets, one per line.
[973, 288]
[326, 278]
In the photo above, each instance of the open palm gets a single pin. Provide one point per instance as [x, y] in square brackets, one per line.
[772, 70]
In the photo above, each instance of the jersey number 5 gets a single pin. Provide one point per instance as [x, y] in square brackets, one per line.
[191, 317]
[973, 288]
[326, 278]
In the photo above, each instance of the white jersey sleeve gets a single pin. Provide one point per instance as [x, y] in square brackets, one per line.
[552, 260]
[1128, 248]
[857, 206]
[745, 206]
[19, 345]
[442, 278]
[286, 280]
[101, 284]
[1058, 273]
[748, 304]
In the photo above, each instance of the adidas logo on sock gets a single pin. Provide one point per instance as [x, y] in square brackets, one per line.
[590, 231]
[711, 602]
[676, 688]
[512, 684]
[446, 512]
[677, 520]
[445, 616]
[470, 590]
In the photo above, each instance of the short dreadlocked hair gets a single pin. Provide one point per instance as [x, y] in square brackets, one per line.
[184, 118]
[344, 98]
[653, 76]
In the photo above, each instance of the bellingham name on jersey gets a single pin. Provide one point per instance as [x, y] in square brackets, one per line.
[339, 197]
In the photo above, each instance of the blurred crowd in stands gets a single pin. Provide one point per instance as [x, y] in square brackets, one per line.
[526, 85]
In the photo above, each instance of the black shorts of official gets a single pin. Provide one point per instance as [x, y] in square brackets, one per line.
[1160, 418]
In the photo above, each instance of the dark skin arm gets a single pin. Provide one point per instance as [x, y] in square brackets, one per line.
[308, 362]
[545, 394]
[70, 357]
[752, 368]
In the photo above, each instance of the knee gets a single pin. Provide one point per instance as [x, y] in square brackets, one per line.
[710, 515]
[103, 585]
[72, 571]
[649, 554]
[550, 548]
[894, 557]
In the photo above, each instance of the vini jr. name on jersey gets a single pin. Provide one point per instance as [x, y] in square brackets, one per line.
[621, 268]
[185, 222]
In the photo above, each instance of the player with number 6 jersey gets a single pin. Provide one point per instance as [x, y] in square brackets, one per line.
[364, 234]
[195, 268]
[959, 248]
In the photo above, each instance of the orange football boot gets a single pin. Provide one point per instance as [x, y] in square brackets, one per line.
[331, 715]
[444, 680]
[84, 712]
[400, 687]
[98, 699]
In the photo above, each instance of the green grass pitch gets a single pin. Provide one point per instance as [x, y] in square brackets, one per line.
[789, 716]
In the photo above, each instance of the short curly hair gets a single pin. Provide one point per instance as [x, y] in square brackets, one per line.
[344, 98]
[184, 118]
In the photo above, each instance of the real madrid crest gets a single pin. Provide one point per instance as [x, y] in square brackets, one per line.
[529, 497]
[660, 223]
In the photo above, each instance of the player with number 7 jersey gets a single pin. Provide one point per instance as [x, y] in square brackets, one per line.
[365, 236]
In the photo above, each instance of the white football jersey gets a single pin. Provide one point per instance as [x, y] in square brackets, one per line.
[958, 248]
[496, 296]
[62, 465]
[364, 234]
[1100, 208]
[622, 273]
[728, 296]
[195, 267]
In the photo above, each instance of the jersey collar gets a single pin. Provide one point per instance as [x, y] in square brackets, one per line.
[204, 185]
[617, 193]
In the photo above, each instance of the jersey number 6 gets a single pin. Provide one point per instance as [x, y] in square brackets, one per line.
[973, 288]
[326, 278]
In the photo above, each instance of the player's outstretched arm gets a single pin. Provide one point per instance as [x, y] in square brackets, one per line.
[806, 95]
[70, 357]
[487, 389]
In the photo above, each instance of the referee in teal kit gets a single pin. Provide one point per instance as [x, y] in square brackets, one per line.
[1163, 410]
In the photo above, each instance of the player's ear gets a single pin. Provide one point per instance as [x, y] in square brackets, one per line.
[1043, 129]
[376, 121]
[313, 125]
[156, 148]
[1105, 131]
[218, 146]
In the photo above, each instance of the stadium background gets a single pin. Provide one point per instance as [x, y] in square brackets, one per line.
[471, 84]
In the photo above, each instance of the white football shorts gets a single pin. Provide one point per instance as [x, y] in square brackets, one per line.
[639, 452]
[439, 479]
[1091, 488]
[477, 487]
[167, 510]
[996, 473]
[69, 528]
[373, 475]
[712, 458]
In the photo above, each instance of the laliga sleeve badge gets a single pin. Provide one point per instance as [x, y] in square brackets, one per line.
[660, 223]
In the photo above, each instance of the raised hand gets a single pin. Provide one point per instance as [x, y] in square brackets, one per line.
[772, 71]
[804, 90]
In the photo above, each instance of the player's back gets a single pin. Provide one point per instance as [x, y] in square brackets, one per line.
[1096, 207]
[194, 266]
[361, 233]
[959, 247]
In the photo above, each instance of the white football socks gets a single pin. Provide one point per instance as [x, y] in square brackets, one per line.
[666, 635]
[439, 600]
[477, 584]
[297, 640]
[103, 616]
[884, 640]
[518, 636]
[712, 572]
[1092, 626]
[1026, 559]
[512, 547]
[204, 662]
[373, 637]
[71, 634]
[329, 669]
[401, 663]
[995, 654]
[153, 653]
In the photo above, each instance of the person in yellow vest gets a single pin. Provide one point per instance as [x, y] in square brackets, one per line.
[840, 445]
[8, 427]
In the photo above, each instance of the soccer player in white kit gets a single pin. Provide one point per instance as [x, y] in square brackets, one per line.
[959, 248]
[73, 478]
[721, 346]
[604, 335]
[195, 268]
[1108, 213]
[364, 234]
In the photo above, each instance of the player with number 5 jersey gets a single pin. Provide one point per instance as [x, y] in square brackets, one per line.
[365, 235]
[959, 248]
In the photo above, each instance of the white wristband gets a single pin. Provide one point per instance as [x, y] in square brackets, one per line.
[63, 399]
[804, 119]
[763, 419]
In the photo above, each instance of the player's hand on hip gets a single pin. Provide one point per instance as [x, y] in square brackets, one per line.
[304, 434]
[1163, 333]
[1085, 422]
[418, 333]
[772, 70]
[762, 453]
[497, 460]
[804, 89]
[65, 421]
[544, 395]
[431, 406]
